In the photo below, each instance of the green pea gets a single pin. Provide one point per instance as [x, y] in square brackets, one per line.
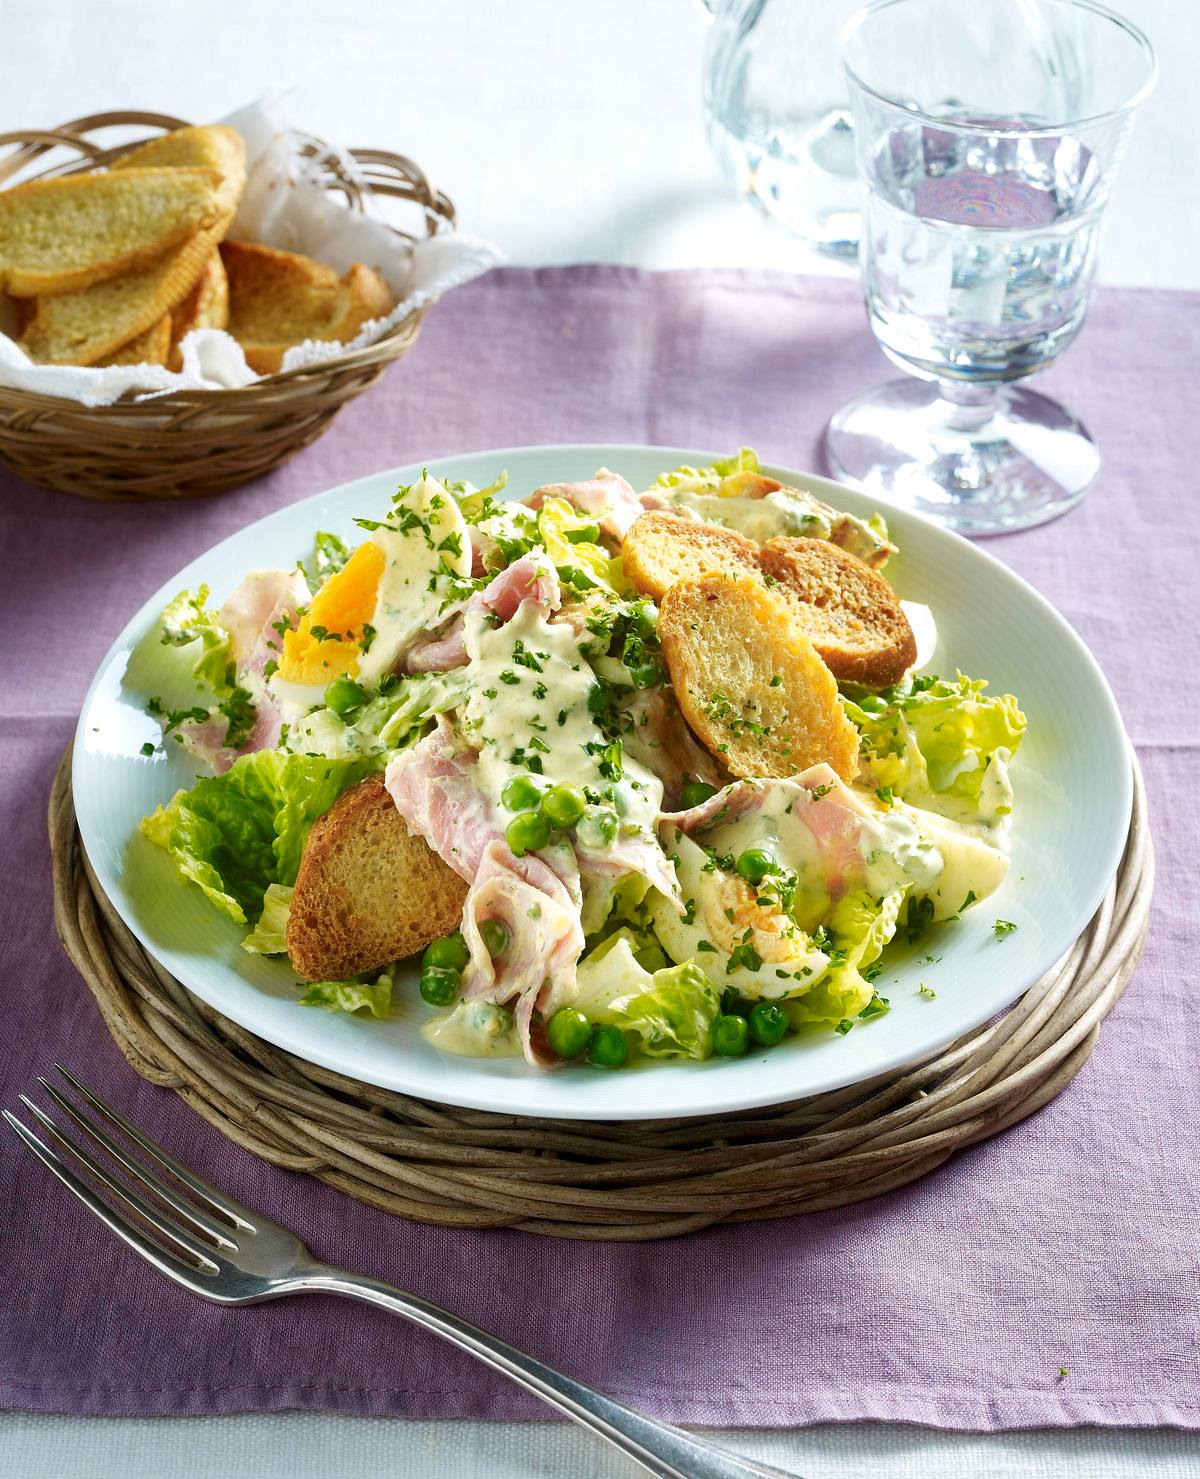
[345, 697]
[695, 793]
[520, 794]
[730, 1036]
[569, 1032]
[597, 826]
[650, 958]
[527, 831]
[607, 1048]
[495, 937]
[450, 951]
[768, 1023]
[563, 805]
[589, 534]
[871, 703]
[439, 985]
[754, 864]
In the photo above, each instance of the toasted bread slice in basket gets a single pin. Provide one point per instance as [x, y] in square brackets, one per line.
[278, 299]
[849, 612]
[749, 682]
[205, 307]
[63, 235]
[662, 548]
[368, 891]
[150, 348]
[213, 146]
[82, 328]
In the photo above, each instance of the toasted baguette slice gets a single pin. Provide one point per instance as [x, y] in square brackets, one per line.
[63, 235]
[278, 299]
[81, 328]
[205, 307]
[150, 348]
[368, 892]
[849, 612]
[662, 548]
[213, 146]
[749, 683]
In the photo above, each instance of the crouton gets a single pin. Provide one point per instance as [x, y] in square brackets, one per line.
[368, 892]
[750, 684]
[848, 611]
[205, 307]
[662, 548]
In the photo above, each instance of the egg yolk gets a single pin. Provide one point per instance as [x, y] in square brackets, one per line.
[341, 608]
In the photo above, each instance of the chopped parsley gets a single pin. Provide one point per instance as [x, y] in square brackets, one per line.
[874, 1008]
[148, 748]
[241, 714]
[1003, 927]
[926, 991]
[918, 919]
[844, 1026]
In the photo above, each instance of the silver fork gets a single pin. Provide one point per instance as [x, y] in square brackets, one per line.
[223, 1251]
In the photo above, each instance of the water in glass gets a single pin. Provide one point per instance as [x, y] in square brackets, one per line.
[980, 248]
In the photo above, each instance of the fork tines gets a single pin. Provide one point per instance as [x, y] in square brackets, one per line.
[183, 1232]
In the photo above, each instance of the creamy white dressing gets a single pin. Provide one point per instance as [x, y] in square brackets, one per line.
[422, 553]
[527, 712]
[970, 864]
[474, 1029]
[786, 511]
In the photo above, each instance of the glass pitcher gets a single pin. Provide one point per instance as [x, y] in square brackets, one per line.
[778, 116]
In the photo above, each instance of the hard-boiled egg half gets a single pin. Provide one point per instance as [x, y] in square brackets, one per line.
[392, 588]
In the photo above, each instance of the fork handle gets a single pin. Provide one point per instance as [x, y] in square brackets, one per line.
[663, 1450]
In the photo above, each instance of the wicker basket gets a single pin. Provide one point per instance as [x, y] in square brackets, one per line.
[189, 443]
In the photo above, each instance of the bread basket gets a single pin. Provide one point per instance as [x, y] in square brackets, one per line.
[189, 443]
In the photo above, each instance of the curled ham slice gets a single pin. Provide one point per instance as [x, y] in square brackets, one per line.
[263, 598]
[540, 911]
[526, 579]
[251, 615]
[433, 786]
[840, 821]
[608, 496]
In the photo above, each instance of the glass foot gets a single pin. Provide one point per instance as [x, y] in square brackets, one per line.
[982, 459]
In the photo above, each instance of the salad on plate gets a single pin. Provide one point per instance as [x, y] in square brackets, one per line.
[638, 775]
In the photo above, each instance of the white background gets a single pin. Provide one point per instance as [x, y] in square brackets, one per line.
[566, 131]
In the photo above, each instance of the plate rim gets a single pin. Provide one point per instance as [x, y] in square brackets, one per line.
[491, 1091]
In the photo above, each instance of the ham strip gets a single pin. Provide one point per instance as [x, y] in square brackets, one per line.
[526, 579]
[607, 496]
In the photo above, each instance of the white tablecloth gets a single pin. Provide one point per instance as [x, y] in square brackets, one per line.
[565, 131]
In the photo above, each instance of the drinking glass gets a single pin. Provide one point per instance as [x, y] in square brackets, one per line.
[778, 118]
[988, 136]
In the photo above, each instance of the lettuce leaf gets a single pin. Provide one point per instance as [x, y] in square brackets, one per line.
[186, 620]
[350, 996]
[708, 478]
[671, 1010]
[859, 927]
[234, 835]
[941, 745]
[330, 553]
[269, 935]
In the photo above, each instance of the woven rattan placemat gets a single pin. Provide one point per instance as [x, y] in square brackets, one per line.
[579, 1179]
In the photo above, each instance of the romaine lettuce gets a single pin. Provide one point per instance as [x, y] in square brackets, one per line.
[941, 745]
[350, 996]
[859, 927]
[708, 478]
[269, 935]
[671, 1010]
[186, 620]
[235, 834]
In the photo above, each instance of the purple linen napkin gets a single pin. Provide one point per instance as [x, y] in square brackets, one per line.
[1068, 1242]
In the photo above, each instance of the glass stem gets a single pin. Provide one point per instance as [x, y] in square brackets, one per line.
[970, 403]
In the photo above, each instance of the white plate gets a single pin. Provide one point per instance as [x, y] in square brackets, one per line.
[1073, 796]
